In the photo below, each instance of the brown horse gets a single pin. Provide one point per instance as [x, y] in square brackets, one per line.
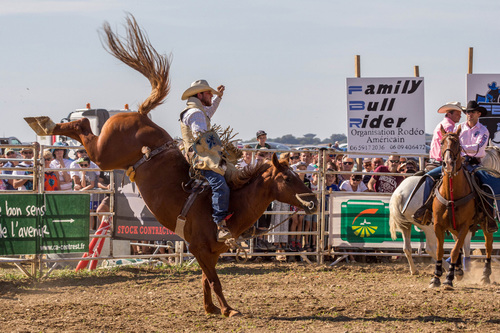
[160, 178]
[454, 209]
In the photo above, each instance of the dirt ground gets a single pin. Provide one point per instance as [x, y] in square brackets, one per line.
[272, 296]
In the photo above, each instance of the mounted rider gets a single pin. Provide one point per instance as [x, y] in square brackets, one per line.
[203, 147]
[453, 113]
[473, 140]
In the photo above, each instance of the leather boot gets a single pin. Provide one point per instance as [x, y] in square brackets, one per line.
[223, 232]
[423, 215]
[491, 225]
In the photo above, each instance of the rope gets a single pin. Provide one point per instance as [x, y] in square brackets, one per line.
[483, 194]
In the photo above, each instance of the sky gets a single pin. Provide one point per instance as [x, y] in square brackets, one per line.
[284, 62]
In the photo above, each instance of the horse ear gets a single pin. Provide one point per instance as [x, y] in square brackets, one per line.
[275, 160]
[443, 132]
[459, 130]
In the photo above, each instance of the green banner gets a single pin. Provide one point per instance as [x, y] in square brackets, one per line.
[367, 221]
[44, 223]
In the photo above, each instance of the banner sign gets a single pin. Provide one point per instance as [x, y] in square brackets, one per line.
[363, 221]
[44, 223]
[386, 115]
[484, 89]
[133, 220]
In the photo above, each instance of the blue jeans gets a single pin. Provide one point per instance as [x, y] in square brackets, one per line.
[220, 194]
[429, 182]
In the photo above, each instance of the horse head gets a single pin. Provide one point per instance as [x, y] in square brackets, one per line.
[450, 151]
[289, 188]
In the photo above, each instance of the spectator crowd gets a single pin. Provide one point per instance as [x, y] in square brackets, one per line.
[62, 173]
[356, 175]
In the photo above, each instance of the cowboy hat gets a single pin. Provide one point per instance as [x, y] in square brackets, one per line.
[451, 106]
[198, 86]
[473, 106]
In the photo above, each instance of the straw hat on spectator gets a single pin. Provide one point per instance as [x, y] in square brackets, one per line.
[9, 150]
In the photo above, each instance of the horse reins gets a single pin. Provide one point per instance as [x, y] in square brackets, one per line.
[451, 204]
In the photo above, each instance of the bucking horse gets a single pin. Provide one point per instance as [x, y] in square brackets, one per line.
[133, 142]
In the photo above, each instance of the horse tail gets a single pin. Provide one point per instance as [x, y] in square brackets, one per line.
[137, 52]
[395, 216]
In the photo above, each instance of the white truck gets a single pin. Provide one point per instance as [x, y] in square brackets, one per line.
[97, 118]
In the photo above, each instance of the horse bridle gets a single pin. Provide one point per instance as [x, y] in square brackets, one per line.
[454, 156]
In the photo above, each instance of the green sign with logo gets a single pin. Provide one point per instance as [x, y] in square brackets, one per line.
[367, 221]
[44, 223]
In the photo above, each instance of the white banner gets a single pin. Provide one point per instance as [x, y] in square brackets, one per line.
[386, 115]
[484, 89]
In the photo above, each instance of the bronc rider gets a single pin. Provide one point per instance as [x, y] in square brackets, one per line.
[200, 140]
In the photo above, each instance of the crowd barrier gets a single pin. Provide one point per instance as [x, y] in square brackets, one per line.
[347, 224]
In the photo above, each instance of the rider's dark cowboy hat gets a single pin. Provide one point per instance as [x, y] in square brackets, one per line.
[473, 106]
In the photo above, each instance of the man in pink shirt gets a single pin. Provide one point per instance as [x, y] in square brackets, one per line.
[474, 136]
[453, 113]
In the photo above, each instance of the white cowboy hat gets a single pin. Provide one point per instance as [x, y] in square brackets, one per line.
[198, 86]
[451, 106]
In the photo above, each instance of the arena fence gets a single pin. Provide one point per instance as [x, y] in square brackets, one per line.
[347, 223]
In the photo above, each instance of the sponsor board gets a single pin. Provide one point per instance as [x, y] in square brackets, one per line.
[44, 223]
[363, 221]
[133, 220]
[386, 115]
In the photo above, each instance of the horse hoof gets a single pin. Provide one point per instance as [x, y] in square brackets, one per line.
[234, 313]
[416, 272]
[46, 124]
[448, 285]
[459, 274]
[435, 283]
[485, 280]
[35, 126]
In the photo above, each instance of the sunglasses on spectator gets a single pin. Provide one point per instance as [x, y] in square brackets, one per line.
[84, 165]
[348, 163]
[48, 159]
[356, 179]
[331, 155]
[394, 161]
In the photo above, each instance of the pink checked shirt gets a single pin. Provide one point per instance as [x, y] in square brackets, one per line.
[448, 126]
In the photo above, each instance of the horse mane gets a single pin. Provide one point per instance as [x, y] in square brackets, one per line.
[247, 174]
[250, 172]
[137, 52]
